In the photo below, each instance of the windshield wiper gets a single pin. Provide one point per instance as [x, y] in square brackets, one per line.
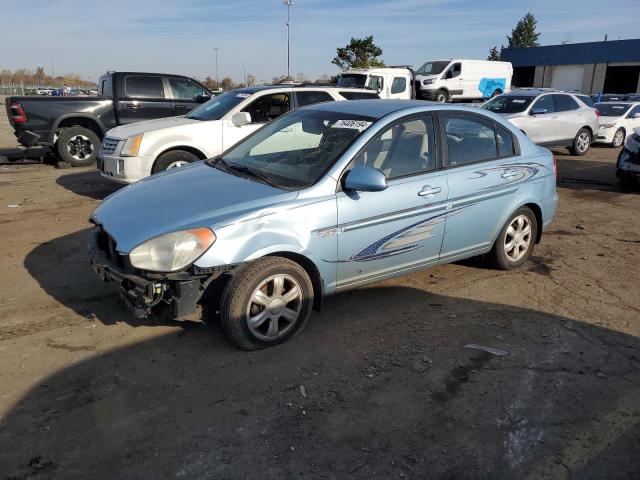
[252, 172]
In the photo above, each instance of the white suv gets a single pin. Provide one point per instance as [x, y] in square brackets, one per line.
[132, 152]
[551, 118]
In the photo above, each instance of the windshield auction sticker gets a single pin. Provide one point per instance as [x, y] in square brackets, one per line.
[353, 124]
[243, 95]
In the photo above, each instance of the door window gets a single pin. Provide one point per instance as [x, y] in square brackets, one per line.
[564, 103]
[184, 89]
[469, 139]
[309, 98]
[454, 71]
[268, 107]
[405, 148]
[376, 83]
[634, 111]
[138, 86]
[544, 103]
[398, 85]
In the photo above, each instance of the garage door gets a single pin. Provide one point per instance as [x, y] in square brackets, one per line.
[568, 77]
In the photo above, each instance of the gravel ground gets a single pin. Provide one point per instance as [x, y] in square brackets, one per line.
[379, 385]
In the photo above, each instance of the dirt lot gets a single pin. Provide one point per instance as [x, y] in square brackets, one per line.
[380, 385]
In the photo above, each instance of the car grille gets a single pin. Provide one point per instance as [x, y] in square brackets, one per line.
[107, 245]
[109, 145]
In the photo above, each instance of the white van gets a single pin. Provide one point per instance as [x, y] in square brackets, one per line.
[389, 82]
[458, 79]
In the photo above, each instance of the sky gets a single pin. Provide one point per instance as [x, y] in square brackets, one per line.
[90, 37]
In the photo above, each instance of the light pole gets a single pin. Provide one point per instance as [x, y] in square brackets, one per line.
[217, 81]
[289, 4]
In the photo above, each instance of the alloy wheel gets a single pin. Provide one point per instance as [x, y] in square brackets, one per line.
[618, 138]
[80, 147]
[518, 238]
[177, 164]
[583, 142]
[274, 307]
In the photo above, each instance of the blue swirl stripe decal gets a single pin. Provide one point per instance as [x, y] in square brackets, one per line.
[489, 85]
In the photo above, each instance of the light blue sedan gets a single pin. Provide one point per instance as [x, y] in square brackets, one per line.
[325, 199]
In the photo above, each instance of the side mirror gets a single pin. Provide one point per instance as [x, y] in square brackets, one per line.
[203, 97]
[365, 179]
[241, 118]
[538, 111]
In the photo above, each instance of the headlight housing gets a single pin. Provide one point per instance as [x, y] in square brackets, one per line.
[428, 81]
[131, 146]
[172, 251]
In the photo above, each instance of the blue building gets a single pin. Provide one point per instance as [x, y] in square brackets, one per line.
[609, 66]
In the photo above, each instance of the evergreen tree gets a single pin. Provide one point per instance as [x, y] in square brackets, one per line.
[494, 54]
[359, 53]
[524, 35]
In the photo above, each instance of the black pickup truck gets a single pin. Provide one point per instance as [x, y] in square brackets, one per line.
[74, 126]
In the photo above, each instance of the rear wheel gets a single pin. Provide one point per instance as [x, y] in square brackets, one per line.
[78, 146]
[581, 143]
[515, 242]
[618, 138]
[266, 303]
[173, 159]
[442, 96]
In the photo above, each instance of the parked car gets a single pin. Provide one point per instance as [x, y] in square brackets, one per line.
[135, 151]
[321, 200]
[463, 80]
[617, 120]
[549, 117]
[586, 99]
[74, 126]
[628, 165]
[388, 82]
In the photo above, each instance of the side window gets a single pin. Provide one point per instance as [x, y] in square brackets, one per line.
[309, 98]
[359, 95]
[398, 85]
[469, 140]
[505, 142]
[376, 83]
[405, 148]
[454, 71]
[184, 89]
[106, 88]
[564, 103]
[634, 111]
[266, 108]
[138, 86]
[544, 103]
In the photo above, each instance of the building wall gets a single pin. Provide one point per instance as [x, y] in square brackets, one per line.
[592, 80]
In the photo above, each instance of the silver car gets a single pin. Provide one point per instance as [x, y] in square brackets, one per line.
[550, 118]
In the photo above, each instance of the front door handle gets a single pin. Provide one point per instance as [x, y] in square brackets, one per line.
[133, 105]
[180, 105]
[428, 190]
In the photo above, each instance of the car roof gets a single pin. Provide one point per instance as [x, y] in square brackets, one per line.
[298, 87]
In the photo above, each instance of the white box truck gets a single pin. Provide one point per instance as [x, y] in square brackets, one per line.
[462, 80]
[389, 82]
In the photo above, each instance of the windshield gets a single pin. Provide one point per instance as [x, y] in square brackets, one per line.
[215, 108]
[352, 80]
[612, 109]
[508, 103]
[432, 68]
[295, 150]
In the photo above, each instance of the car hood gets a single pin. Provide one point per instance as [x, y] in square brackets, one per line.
[425, 77]
[509, 116]
[197, 195]
[125, 131]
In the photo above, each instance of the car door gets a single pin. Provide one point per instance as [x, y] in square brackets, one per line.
[399, 88]
[185, 94]
[483, 176]
[454, 81]
[540, 127]
[400, 228]
[568, 116]
[263, 108]
[144, 99]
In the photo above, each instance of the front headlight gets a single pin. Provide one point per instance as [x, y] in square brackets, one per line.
[173, 251]
[428, 81]
[131, 146]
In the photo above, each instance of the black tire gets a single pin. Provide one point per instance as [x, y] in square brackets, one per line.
[442, 96]
[168, 160]
[628, 184]
[498, 256]
[579, 147]
[618, 138]
[236, 303]
[78, 146]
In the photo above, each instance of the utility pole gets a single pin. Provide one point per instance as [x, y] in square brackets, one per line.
[217, 80]
[244, 75]
[289, 4]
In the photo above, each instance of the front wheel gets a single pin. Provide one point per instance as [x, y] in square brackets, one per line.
[515, 242]
[618, 138]
[78, 146]
[581, 143]
[173, 159]
[442, 96]
[266, 303]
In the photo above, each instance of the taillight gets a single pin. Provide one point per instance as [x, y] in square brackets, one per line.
[18, 114]
[597, 112]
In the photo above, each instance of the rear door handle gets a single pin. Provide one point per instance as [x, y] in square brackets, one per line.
[428, 190]
[180, 105]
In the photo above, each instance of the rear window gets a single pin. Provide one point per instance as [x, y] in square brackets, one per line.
[612, 109]
[138, 86]
[509, 103]
[309, 98]
[352, 80]
[106, 87]
[359, 95]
